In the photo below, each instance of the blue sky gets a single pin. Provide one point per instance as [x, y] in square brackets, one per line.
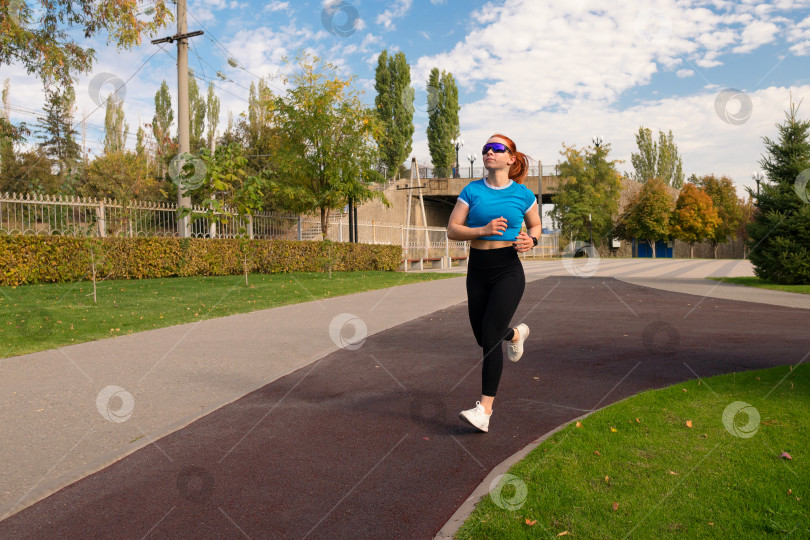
[544, 73]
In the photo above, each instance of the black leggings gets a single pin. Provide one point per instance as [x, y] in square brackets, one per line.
[495, 283]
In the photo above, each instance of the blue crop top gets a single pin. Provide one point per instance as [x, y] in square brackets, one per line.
[486, 203]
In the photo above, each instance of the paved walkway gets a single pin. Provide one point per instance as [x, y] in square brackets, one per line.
[295, 436]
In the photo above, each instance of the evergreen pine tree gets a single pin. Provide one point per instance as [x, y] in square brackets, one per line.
[56, 129]
[779, 236]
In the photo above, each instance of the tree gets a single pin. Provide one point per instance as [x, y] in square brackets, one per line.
[779, 236]
[50, 49]
[28, 172]
[657, 159]
[196, 114]
[56, 129]
[115, 125]
[694, 218]
[729, 207]
[326, 150]
[647, 215]
[162, 123]
[6, 141]
[122, 176]
[394, 105]
[592, 188]
[443, 125]
[212, 116]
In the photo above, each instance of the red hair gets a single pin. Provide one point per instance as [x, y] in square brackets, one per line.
[520, 168]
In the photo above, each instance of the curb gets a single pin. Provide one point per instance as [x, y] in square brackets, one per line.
[449, 529]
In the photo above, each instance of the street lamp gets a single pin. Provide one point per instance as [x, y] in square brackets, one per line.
[757, 176]
[590, 231]
[597, 141]
[457, 143]
[472, 159]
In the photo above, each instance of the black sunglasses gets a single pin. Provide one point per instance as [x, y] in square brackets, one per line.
[496, 147]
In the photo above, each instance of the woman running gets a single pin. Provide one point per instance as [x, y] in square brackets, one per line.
[489, 212]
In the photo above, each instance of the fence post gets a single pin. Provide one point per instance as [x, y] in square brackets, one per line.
[373, 233]
[250, 227]
[212, 229]
[102, 222]
[300, 231]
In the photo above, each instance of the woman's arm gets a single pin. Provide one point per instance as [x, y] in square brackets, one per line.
[457, 230]
[534, 228]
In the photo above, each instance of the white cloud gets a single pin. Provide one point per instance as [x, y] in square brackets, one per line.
[683, 73]
[276, 5]
[756, 34]
[399, 9]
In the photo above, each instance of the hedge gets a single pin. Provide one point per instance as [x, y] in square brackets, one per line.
[49, 259]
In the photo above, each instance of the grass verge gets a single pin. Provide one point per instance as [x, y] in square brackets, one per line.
[764, 284]
[39, 317]
[637, 469]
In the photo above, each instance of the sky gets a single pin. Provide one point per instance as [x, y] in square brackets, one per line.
[720, 75]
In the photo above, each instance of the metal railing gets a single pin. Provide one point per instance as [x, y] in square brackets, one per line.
[77, 216]
[465, 171]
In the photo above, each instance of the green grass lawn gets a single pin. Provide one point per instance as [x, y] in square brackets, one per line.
[39, 317]
[637, 470]
[763, 284]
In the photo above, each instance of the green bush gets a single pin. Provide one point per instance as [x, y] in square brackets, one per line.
[49, 259]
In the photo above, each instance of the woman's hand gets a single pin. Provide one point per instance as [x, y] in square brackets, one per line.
[523, 242]
[495, 227]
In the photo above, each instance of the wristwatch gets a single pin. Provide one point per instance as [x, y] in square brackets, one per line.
[534, 239]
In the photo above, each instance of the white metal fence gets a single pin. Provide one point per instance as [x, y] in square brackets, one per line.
[76, 216]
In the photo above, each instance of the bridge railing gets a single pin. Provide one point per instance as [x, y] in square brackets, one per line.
[465, 171]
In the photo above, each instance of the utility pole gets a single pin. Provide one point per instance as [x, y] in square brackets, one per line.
[183, 200]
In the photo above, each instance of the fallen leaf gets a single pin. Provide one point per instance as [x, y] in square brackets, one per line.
[530, 522]
[613, 429]
[637, 420]
[711, 523]
[684, 389]
[689, 423]
[426, 438]
[564, 533]
[536, 378]
[785, 455]
[607, 479]
[704, 436]
[597, 452]
[579, 424]
[672, 472]
[615, 506]
[790, 491]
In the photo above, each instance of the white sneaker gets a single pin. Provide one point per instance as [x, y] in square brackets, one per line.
[515, 348]
[476, 417]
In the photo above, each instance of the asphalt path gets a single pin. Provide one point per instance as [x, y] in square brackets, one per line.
[365, 442]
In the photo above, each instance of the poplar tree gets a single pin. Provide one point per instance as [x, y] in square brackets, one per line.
[212, 117]
[657, 159]
[394, 106]
[779, 236]
[162, 123]
[196, 114]
[443, 124]
[115, 125]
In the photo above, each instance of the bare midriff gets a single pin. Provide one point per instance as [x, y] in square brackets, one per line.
[491, 244]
